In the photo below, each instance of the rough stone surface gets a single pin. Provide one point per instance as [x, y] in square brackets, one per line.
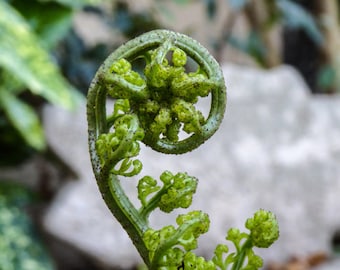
[278, 149]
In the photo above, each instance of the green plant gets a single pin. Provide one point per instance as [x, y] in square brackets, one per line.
[153, 107]
[20, 245]
[29, 31]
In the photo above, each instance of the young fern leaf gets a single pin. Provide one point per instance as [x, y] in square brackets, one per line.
[157, 106]
[177, 192]
[168, 246]
[264, 231]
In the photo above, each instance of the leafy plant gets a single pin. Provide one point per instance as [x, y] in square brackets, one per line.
[28, 32]
[20, 246]
[157, 107]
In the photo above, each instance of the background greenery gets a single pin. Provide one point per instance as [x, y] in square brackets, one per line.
[43, 59]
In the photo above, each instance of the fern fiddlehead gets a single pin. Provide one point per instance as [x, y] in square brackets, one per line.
[155, 106]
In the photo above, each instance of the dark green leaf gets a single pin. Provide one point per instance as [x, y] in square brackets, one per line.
[326, 77]
[77, 3]
[15, 194]
[22, 55]
[24, 119]
[237, 4]
[211, 8]
[51, 21]
[13, 149]
[297, 17]
[182, 2]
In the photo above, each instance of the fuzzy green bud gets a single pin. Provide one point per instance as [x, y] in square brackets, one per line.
[264, 228]
[179, 58]
[180, 192]
[193, 262]
[121, 66]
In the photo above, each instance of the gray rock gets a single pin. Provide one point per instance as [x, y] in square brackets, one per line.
[277, 149]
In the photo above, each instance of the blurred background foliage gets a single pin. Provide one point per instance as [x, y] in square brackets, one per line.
[20, 245]
[47, 54]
